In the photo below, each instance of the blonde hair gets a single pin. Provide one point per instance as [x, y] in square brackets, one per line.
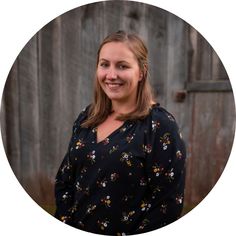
[101, 106]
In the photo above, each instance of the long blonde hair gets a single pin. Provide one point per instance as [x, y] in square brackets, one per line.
[101, 106]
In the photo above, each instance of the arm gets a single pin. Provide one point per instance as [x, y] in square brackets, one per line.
[165, 167]
[65, 179]
[64, 189]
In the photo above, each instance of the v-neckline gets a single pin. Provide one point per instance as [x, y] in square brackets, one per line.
[108, 136]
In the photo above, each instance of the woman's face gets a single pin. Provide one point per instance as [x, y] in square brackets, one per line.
[118, 72]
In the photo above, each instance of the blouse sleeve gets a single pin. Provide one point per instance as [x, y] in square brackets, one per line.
[64, 182]
[165, 167]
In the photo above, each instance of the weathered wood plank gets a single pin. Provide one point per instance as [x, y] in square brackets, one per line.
[156, 27]
[28, 106]
[209, 86]
[218, 70]
[177, 69]
[209, 150]
[10, 120]
[50, 113]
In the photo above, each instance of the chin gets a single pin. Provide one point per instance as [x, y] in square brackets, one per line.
[115, 98]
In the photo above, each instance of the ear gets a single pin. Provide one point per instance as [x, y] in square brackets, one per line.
[143, 72]
[140, 76]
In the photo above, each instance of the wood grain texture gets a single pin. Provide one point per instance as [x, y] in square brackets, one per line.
[52, 81]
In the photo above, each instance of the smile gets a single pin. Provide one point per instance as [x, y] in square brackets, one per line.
[114, 85]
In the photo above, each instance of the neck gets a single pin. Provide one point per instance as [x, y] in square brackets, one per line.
[123, 108]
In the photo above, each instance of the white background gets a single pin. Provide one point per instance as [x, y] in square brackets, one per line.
[20, 20]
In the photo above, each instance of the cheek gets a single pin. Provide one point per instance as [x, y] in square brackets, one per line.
[100, 75]
[134, 79]
[100, 82]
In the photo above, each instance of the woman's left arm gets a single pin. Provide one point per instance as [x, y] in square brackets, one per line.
[165, 167]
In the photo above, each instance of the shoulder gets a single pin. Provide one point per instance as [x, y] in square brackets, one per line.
[163, 127]
[160, 122]
[161, 115]
[82, 115]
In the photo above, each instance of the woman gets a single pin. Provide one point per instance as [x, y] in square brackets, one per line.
[124, 169]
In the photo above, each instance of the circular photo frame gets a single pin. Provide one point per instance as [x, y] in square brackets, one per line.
[52, 80]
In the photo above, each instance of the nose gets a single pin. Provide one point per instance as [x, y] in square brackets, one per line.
[111, 73]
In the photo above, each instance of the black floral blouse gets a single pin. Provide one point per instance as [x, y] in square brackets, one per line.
[129, 183]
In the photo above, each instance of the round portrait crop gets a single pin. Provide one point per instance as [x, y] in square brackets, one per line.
[117, 118]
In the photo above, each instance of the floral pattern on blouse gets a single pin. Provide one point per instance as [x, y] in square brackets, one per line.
[131, 182]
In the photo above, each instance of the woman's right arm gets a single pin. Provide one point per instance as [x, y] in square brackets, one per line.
[65, 178]
[64, 189]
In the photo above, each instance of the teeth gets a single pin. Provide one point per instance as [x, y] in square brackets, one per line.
[113, 85]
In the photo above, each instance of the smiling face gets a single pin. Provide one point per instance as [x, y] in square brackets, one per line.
[118, 72]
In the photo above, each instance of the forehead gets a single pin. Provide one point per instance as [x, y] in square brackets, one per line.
[116, 51]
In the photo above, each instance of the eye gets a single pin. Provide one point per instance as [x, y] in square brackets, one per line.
[104, 64]
[122, 67]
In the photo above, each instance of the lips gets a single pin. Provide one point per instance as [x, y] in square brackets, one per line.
[113, 85]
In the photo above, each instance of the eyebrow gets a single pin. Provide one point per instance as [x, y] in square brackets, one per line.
[122, 61]
[102, 59]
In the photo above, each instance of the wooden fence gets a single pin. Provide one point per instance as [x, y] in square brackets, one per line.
[52, 80]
